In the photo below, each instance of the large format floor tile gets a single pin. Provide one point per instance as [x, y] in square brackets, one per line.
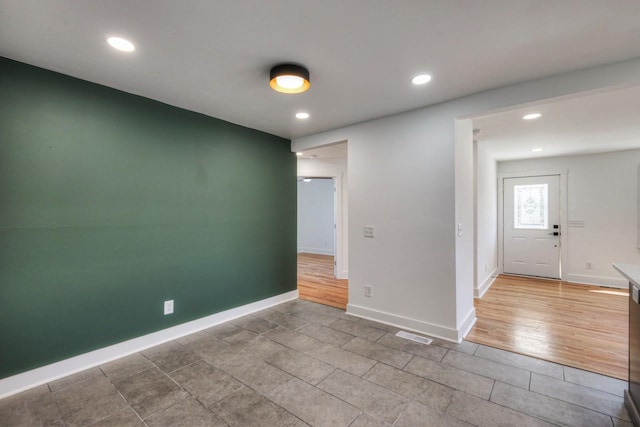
[371, 398]
[186, 413]
[33, 407]
[206, 382]
[453, 377]
[488, 368]
[381, 353]
[89, 401]
[246, 408]
[312, 405]
[547, 408]
[150, 391]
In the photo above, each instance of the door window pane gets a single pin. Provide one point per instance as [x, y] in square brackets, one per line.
[530, 203]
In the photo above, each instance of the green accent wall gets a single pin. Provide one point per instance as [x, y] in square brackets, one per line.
[111, 203]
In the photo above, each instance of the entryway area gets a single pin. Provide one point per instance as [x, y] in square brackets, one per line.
[556, 204]
[577, 325]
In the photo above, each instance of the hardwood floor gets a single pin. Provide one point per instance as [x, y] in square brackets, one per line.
[317, 283]
[577, 325]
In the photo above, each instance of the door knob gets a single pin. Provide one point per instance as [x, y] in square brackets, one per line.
[555, 233]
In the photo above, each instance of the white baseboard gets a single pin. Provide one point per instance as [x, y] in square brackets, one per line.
[344, 275]
[35, 377]
[437, 331]
[486, 284]
[613, 282]
[317, 251]
[466, 325]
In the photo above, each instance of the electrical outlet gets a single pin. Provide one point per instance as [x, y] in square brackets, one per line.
[367, 291]
[589, 265]
[369, 231]
[168, 307]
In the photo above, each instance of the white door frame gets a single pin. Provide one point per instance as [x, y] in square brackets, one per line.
[564, 249]
[338, 209]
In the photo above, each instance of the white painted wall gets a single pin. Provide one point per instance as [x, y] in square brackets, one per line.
[315, 216]
[334, 167]
[402, 180]
[602, 190]
[487, 221]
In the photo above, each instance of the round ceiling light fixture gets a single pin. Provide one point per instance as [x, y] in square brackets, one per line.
[289, 78]
[302, 115]
[121, 44]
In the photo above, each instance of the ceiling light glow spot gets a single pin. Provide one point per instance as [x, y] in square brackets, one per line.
[302, 115]
[307, 180]
[299, 154]
[290, 82]
[421, 79]
[121, 44]
[532, 116]
[536, 150]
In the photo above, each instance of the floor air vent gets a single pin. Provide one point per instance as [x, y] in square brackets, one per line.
[414, 337]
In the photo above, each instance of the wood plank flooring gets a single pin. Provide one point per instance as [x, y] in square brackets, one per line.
[317, 283]
[577, 325]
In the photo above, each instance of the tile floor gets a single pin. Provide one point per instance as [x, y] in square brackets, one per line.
[301, 363]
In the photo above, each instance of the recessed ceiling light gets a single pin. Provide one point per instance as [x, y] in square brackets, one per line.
[532, 116]
[307, 180]
[299, 154]
[536, 150]
[121, 44]
[421, 79]
[302, 115]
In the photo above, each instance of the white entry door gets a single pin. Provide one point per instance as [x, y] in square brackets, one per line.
[532, 226]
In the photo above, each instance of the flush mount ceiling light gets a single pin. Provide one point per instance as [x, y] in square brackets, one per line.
[289, 78]
[121, 44]
[532, 116]
[299, 154]
[421, 79]
[302, 115]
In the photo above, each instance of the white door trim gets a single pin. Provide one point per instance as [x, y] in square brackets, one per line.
[564, 249]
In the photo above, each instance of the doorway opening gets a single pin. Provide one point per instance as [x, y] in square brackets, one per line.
[322, 225]
[317, 243]
[518, 307]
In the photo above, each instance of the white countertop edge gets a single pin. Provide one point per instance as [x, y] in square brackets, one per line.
[630, 271]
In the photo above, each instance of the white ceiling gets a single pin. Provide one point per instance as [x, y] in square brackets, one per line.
[601, 122]
[214, 56]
